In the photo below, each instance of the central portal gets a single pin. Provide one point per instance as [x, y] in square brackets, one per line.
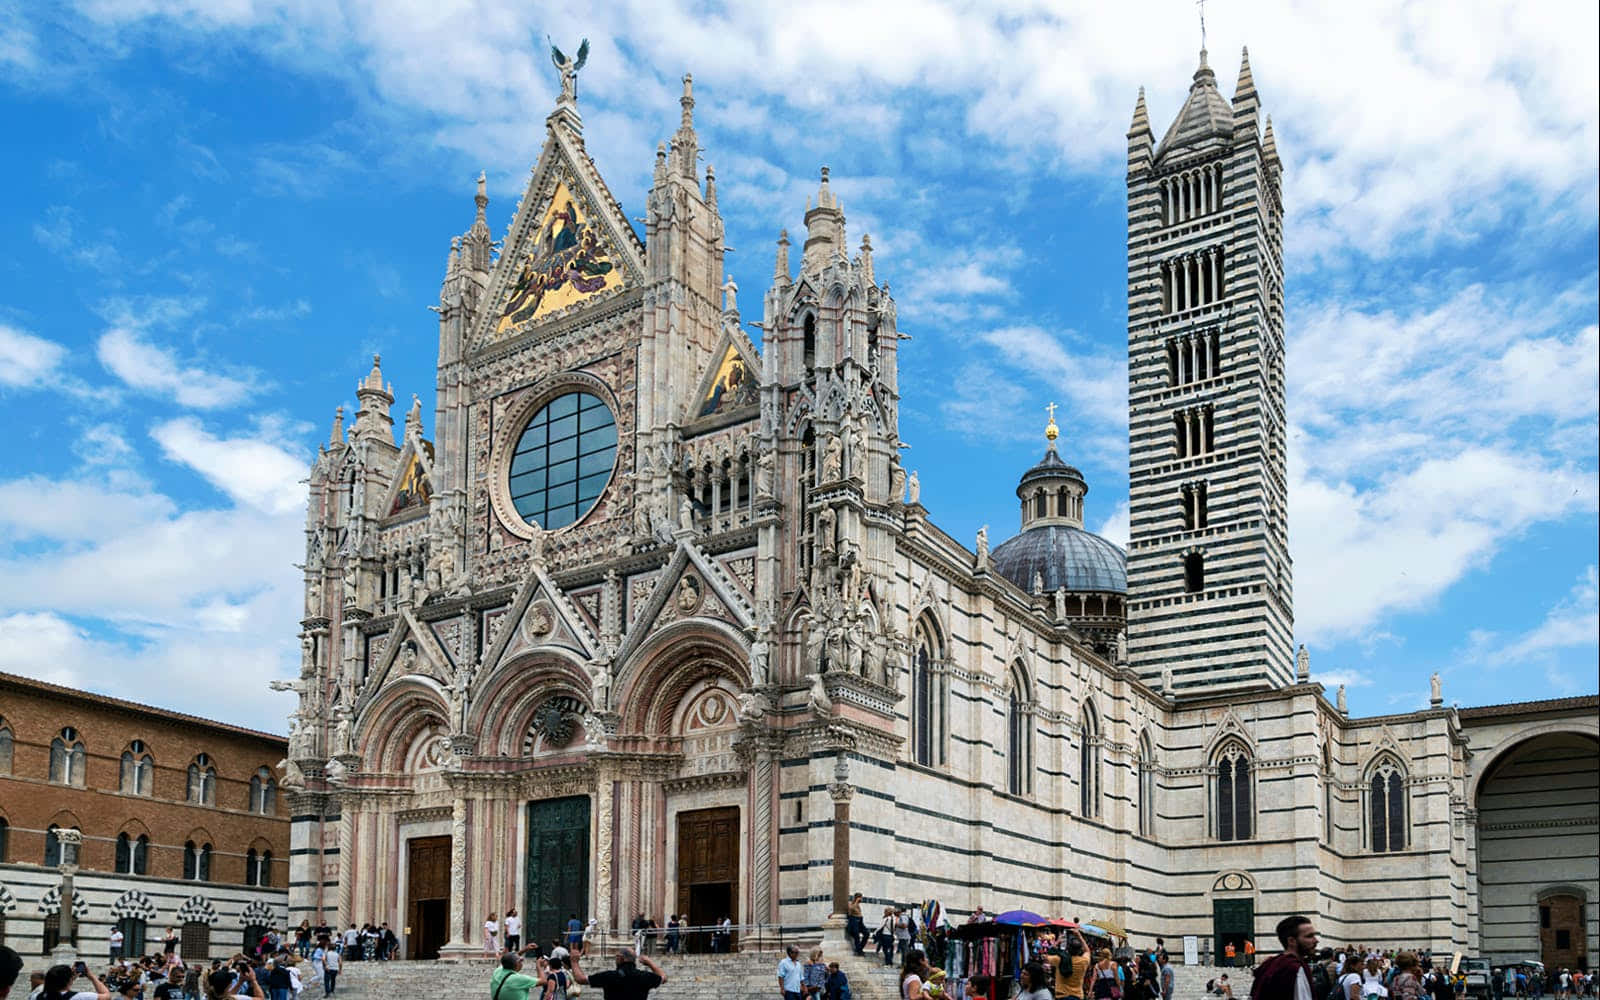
[558, 867]
[427, 896]
[708, 870]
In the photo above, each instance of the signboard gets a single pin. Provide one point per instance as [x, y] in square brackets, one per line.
[1191, 950]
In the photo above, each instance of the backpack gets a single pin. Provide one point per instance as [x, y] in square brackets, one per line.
[560, 991]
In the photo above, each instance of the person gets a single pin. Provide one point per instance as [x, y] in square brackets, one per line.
[352, 940]
[885, 936]
[1107, 976]
[10, 969]
[225, 983]
[302, 939]
[791, 975]
[902, 932]
[1168, 977]
[815, 976]
[1284, 976]
[725, 933]
[1034, 984]
[491, 936]
[58, 984]
[1229, 953]
[673, 934]
[1249, 953]
[627, 981]
[1220, 986]
[574, 933]
[838, 986]
[1069, 965]
[509, 982]
[332, 962]
[191, 982]
[116, 944]
[557, 980]
[277, 985]
[912, 975]
[513, 930]
[1350, 979]
[854, 927]
[1405, 985]
[292, 966]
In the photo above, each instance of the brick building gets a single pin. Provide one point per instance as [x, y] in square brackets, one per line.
[183, 826]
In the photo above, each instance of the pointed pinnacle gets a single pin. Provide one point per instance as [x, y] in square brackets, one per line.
[1247, 83]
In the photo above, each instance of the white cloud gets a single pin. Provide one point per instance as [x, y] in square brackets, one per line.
[27, 360]
[252, 471]
[151, 369]
[1115, 526]
[1568, 633]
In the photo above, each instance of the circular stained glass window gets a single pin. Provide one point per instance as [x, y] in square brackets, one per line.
[563, 460]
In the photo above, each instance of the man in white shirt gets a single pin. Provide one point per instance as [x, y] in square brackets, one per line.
[513, 930]
[116, 943]
[352, 938]
[791, 974]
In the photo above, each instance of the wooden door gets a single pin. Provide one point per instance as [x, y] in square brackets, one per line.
[427, 896]
[557, 867]
[708, 868]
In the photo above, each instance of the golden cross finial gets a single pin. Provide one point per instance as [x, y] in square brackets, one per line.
[1051, 431]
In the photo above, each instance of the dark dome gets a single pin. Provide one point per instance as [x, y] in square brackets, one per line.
[1064, 556]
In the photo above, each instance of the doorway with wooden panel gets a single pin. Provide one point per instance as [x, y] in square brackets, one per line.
[427, 896]
[708, 870]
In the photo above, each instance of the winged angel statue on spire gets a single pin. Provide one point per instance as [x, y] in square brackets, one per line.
[569, 68]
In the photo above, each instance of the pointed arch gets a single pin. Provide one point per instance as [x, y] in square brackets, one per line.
[1387, 816]
[389, 723]
[1019, 730]
[929, 690]
[671, 663]
[1089, 747]
[1233, 798]
[1147, 784]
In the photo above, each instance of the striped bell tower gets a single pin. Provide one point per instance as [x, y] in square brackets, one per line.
[1209, 576]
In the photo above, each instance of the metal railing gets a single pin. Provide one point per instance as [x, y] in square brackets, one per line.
[703, 939]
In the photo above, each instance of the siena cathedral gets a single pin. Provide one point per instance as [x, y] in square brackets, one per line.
[656, 621]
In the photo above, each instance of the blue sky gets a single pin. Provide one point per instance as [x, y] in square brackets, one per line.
[217, 210]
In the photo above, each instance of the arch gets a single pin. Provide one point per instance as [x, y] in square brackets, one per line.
[517, 704]
[1489, 761]
[386, 724]
[133, 903]
[1233, 797]
[1089, 760]
[670, 663]
[68, 758]
[497, 694]
[1147, 784]
[201, 789]
[1387, 817]
[1019, 730]
[927, 690]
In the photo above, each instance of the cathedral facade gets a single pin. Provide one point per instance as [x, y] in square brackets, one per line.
[657, 623]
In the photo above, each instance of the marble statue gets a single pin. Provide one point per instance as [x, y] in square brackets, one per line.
[916, 489]
[817, 696]
[1343, 703]
[897, 483]
[594, 732]
[832, 460]
[1435, 689]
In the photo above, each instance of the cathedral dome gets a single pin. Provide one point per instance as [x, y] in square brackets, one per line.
[1053, 550]
[1062, 557]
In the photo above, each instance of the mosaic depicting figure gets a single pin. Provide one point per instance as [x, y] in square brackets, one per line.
[567, 264]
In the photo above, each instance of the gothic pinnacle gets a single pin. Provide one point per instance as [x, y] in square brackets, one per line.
[1247, 84]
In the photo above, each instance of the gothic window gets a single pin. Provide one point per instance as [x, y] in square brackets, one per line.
[258, 868]
[263, 792]
[124, 854]
[1019, 730]
[1235, 809]
[1386, 806]
[133, 855]
[141, 855]
[922, 700]
[1327, 795]
[1194, 572]
[6, 743]
[563, 460]
[67, 758]
[266, 869]
[809, 345]
[1089, 763]
[189, 860]
[1194, 506]
[1147, 786]
[138, 769]
[202, 790]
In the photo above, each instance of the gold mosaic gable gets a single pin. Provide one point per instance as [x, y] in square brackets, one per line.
[567, 259]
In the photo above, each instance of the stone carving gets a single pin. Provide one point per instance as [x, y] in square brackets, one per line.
[825, 519]
[336, 772]
[832, 459]
[764, 468]
[293, 778]
[689, 594]
[569, 70]
[817, 696]
[686, 515]
[1342, 702]
[1166, 681]
[341, 729]
[915, 496]
[1038, 583]
[539, 621]
[1302, 664]
[753, 706]
[600, 679]
[897, 483]
[438, 752]
[1061, 603]
[858, 451]
[1435, 688]
[594, 732]
[352, 581]
[759, 655]
[730, 295]
[983, 546]
[314, 598]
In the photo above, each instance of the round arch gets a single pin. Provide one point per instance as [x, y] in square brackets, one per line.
[507, 694]
[670, 663]
[392, 719]
[1498, 754]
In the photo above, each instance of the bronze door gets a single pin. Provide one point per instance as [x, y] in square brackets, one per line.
[708, 870]
[427, 896]
[557, 867]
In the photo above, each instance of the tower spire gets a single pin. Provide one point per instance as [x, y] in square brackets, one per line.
[685, 143]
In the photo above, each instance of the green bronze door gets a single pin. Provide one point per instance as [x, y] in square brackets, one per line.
[1233, 920]
[557, 867]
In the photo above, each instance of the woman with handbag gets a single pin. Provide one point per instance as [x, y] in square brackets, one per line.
[1107, 977]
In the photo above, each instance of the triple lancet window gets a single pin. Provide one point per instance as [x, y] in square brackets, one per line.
[1192, 280]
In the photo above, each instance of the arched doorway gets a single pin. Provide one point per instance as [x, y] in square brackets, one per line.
[1537, 806]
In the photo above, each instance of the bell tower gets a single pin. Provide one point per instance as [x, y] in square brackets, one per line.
[1209, 575]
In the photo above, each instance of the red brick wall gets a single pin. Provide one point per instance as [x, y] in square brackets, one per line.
[29, 803]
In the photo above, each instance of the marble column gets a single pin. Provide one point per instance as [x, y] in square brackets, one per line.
[604, 786]
[841, 792]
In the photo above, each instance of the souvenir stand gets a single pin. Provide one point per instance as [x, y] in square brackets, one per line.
[995, 948]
